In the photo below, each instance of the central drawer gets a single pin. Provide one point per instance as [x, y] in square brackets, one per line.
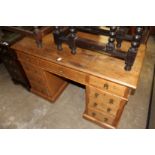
[63, 71]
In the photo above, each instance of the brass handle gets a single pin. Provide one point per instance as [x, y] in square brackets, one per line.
[105, 119]
[106, 86]
[111, 101]
[109, 109]
[95, 104]
[93, 114]
[96, 95]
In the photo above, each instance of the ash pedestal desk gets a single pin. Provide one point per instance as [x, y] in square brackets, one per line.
[108, 85]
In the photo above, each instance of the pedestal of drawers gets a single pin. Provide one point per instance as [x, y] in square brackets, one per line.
[103, 108]
[44, 84]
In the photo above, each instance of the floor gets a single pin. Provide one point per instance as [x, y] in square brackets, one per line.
[22, 109]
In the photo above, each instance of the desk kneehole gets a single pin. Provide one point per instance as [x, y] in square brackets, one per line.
[64, 71]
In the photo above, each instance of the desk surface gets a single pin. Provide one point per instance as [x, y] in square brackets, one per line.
[87, 61]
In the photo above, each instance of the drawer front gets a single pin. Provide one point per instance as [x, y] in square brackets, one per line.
[102, 101]
[64, 71]
[102, 117]
[103, 107]
[39, 88]
[27, 58]
[108, 86]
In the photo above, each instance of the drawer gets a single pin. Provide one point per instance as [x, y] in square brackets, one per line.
[103, 107]
[64, 71]
[41, 89]
[108, 86]
[100, 116]
[27, 58]
[102, 100]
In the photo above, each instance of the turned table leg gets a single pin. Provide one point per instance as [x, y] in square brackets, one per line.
[133, 49]
[56, 34]
[72, 39]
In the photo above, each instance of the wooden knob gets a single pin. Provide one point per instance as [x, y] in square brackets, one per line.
[93, 114]
[106, 86]
[95, 104]
[96, 95]
[105, 119]
[111, 101]
[109, 109]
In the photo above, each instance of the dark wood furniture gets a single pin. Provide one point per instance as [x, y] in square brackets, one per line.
[113, 47]
[108, 85]
[10, 61]
[151, 112]
[37, 32]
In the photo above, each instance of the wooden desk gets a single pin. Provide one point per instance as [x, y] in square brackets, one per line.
[108, 85]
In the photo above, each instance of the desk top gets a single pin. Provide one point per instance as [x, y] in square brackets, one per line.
[97, 64]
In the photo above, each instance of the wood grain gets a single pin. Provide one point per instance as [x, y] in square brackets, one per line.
[87, 61]
[108, 85]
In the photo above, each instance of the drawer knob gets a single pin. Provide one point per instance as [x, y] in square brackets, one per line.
[93, 114]
[96, 95]
[109, 109]
[105, 119]
[111, 101]
[95, 104]
[106, 86]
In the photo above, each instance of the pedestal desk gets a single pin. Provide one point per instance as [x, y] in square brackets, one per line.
[108, 85]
